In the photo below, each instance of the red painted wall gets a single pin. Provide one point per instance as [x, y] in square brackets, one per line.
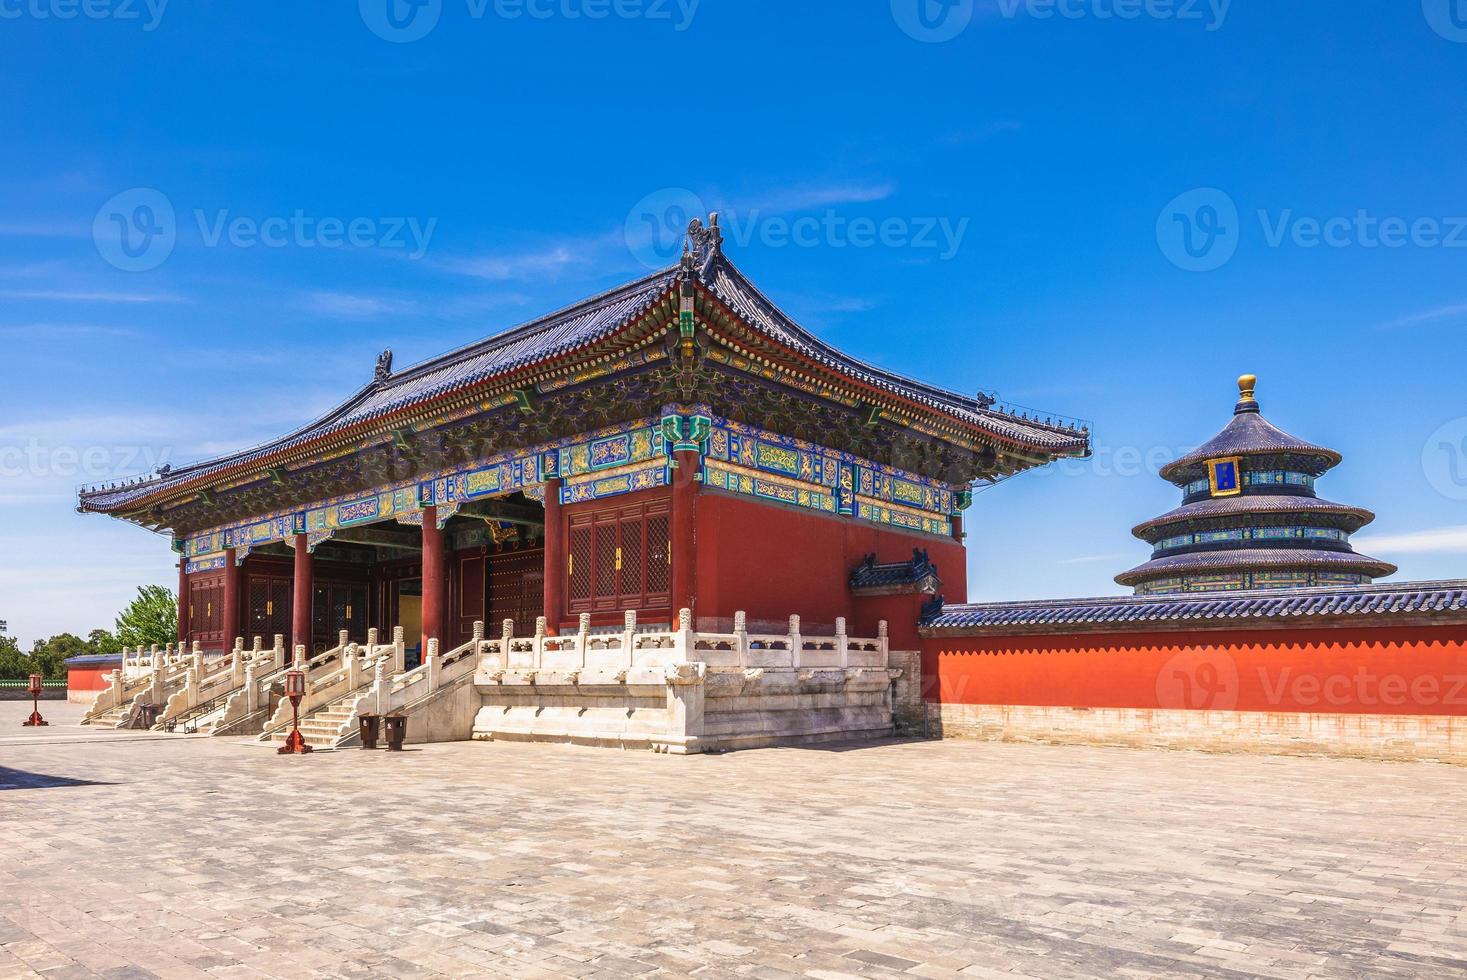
[771, 561]
[1369, 670]
[86, 678]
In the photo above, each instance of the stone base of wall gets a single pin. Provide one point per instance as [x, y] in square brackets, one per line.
[685, 708]
[907, 708]
[1402, 737]
[47, 694]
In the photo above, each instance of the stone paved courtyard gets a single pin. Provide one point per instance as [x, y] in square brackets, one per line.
[184, 857]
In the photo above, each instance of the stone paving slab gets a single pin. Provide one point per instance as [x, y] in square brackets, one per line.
[204, 858]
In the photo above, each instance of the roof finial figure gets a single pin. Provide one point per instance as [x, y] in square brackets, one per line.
[703, 244]
[384, 365]
[1247, 386]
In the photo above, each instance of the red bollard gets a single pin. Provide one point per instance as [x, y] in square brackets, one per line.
[35, 720]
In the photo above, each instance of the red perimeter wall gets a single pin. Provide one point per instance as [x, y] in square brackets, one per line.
[86, 678]
[1418, 670]
[772, 561]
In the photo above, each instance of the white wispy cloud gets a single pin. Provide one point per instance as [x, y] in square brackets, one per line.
[541, 263]
[66, 331]
[1450, 312]
[1451, 540]
[351, 306]
[810, 196]
[1095, 559]
[91, 296]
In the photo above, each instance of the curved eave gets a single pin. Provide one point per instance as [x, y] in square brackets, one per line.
[1252, 559]
[1245, 506]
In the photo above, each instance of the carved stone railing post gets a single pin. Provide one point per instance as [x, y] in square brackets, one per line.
[196, 658]
[797, 642]
[741, 638]
[278, 660]
[380, 694]
[153, 656]
[372, 639]
[342, 640]
[538, 654]
[299, 660]
[629, 638]
[399, 652]
[583, 638]
[352, 659]
[842, 643]
[884, 641]
[259, 647]
[684, 644]
[251, 690]
[116, 687]
[506, 636]
[435, 665]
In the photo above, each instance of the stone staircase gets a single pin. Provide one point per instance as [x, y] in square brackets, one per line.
[328, 727]
[112, 717]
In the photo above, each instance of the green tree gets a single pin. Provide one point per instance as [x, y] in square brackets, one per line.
[13, 663]
[48, 657]
[151, 618]
[103, 641]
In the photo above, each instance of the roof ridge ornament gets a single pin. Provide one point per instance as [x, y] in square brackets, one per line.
[1247, 390]
[701, 246]
[384, 366]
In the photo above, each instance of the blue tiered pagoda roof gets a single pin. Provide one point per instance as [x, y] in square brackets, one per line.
[1250, 518]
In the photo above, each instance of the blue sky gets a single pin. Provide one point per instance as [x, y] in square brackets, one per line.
[1045, 178]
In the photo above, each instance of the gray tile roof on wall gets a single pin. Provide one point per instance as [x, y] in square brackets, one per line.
[1208, 608]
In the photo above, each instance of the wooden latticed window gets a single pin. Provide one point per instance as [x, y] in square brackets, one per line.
[619, 559]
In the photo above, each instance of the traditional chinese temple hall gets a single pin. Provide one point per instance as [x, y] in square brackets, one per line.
[667, 515]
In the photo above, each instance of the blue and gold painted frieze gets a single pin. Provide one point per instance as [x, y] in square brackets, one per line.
[206, 563]
[625, 459]
[749, 461]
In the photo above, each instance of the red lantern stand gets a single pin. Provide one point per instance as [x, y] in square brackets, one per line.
[295, 689]
[35, 720]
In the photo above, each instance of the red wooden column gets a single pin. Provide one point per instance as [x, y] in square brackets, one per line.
[231, 599]
[434, 585]
[183, 600]
[300, 620]
[685, 487]
[554, 558]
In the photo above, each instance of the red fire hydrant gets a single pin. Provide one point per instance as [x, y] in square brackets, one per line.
[295, 689]
[35, 720]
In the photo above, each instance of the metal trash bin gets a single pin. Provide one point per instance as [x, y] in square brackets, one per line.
[369, 725]
[394, 728]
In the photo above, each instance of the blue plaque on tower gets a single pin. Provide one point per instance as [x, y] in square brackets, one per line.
[1225, 477]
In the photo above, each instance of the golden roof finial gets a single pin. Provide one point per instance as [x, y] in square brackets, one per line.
[1247, 385]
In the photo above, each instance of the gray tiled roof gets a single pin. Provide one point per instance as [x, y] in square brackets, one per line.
[891, 576]
[1263, 559]
[1249, 505]
[1210, 609]
[1250, 434]
[580, 325]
